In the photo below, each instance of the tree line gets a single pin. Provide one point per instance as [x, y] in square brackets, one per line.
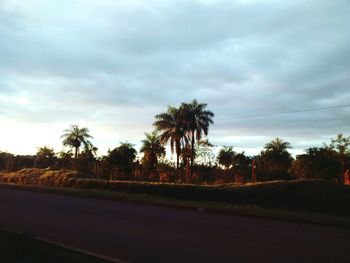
[185, 129]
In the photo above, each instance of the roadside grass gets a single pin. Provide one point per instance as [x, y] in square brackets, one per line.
[25, 248]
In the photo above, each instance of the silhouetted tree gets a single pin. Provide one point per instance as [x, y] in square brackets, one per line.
[274, 161]
[152, 149]
[45, 157]
[321, 162]
[65, 159]
[75, 136]
[87, 159]
[6, 161]
[241, 167]
[226, 156]
[341, 144]
[186, 155]
[197, 120]
[120, 161]
[170, 124]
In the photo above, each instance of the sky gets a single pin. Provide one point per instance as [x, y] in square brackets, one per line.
[266, 68]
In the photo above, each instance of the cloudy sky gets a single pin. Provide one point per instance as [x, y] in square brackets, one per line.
[267, 69]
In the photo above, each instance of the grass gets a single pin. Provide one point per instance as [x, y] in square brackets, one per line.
[16, 247]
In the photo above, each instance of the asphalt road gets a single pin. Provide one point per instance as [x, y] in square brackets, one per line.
[141, 233]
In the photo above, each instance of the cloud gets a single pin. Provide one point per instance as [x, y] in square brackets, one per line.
[113, 65]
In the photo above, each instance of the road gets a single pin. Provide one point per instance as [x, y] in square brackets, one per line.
[141, 233]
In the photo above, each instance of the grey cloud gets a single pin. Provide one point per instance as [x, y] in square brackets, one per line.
[124, 62]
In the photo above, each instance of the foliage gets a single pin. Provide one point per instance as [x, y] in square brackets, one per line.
[274, 161]
[65, 159]
[226, 156]
[170, 124]
[241, 167]
[196, 120]
[152, 150]
[45, 157]
[6, 161]
[120, 161]
[341, 144]
[320, 162]
[75, 136]
[204, 153]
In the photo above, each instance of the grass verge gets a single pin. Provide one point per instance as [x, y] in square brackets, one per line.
[15, 247]
[200, 206]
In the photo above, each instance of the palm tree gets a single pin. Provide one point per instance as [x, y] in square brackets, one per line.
[226, 156]
[277, 145]
[275, 160]
[171, 126]
[197, 121]
[44, 157]
[152, 148]
[75, 136]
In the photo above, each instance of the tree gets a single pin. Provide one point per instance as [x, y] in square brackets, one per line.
[241, 166]
[74, 137]
[277, 145]
[44, 157]
[6, 161]
[204, 153]
[274, 161]
[120, 160]
[170, 124]
[65, 159]
[88, 159]
[226, 157]
[152, 150]
[341, 144]
[321, 162]
[89, 152]
[186, 155]
[197, 120]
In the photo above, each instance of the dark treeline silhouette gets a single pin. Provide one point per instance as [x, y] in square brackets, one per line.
[183, 129]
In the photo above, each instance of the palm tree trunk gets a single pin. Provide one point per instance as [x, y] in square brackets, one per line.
[76, 158]
[187, 171]
[192, 155]
[177, 161]
[178, 151]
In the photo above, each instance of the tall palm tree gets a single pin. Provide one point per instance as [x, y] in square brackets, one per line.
[277, 145]
[152, 148]
[197, 120]
[75, 136]
[171, 126]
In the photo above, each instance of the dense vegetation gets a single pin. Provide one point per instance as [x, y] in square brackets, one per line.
[183, 129]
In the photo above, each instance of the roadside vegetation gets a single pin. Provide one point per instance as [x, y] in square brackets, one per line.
[319, 196]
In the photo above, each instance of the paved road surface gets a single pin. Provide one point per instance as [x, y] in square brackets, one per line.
[140, 233]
